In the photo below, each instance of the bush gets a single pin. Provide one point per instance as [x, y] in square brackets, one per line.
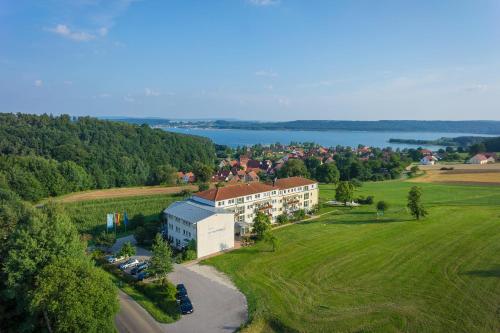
[299, 215]
[106, 239]
[203, 187]
[356, 182]
[365, 201]
[282, 219]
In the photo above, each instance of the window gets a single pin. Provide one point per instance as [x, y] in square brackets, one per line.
[257, 196]
[239, 200]
[249, 198]
[274, 192]
[231, 201]
[306, 188]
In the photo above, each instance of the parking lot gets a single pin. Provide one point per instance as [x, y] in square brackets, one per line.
[218, 305]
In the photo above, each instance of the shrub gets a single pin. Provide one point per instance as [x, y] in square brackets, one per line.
[282, 219]
[365, 201]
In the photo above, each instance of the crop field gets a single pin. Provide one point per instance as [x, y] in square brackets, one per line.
[90, 216]
[349, 271]
[122, 192]
[488, 174]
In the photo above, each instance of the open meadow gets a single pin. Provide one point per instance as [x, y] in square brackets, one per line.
[475, 174]
[350, 271]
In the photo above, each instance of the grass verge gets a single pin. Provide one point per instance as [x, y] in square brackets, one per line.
[156, 298]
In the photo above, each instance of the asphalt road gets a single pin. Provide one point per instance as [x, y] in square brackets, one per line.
[218, 305]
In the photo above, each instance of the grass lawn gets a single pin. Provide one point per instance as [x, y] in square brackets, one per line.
[349, 272]
[90, 216]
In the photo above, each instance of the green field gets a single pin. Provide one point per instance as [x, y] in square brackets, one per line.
[349, 272]
[90, 216]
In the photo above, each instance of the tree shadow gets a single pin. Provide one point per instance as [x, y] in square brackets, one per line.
[494, 272]
[371, 221]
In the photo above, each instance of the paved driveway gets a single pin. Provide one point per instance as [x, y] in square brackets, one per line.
[218, 305]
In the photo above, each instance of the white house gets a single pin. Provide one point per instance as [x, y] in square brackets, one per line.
[210, 227]
[481, 159]
[428, 160]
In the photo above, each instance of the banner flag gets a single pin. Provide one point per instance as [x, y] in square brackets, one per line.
[117, 219]
[109, 221]
[125, 218]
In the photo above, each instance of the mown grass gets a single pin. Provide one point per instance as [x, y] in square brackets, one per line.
[90, 216]
[351, 272]
[156, 298]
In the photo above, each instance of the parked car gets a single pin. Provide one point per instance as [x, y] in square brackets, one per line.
[182, 299]
[186, 307]
[113, 259]
[129, 263]
[142, 275]
[181, 292]
[139, 268]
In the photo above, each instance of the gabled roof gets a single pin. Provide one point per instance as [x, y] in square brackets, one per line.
[479, 157]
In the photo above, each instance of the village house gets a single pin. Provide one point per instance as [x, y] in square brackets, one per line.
[481, 159]
[428, 160]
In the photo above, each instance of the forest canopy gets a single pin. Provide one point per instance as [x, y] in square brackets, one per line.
[45, 155]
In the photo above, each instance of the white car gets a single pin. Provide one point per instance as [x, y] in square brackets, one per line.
[113, 259]
[129, 263]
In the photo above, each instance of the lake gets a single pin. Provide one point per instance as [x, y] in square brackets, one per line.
[238, 137]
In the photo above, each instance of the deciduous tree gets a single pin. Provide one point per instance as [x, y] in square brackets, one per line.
[415, 203]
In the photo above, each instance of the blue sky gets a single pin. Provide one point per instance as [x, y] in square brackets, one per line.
[252, 59]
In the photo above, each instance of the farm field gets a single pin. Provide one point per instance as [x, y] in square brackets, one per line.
[351, 272]
[90, 216]
[488, 174]
[123, 192]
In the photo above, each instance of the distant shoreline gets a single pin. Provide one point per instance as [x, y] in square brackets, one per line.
[480, 127]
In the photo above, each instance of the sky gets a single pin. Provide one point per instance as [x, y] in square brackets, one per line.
[261, 60]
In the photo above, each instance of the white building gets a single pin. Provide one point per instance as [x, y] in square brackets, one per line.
[481, 159]
[210, 217]
[428, 160]
[285, 196]
[211, 228]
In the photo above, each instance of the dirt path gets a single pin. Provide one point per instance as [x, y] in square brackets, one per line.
[123, 192]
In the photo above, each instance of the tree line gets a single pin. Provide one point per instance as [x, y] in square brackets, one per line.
[45, 155]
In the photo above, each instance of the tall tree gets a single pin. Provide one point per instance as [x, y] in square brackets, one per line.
[75, 296]
[261, 224]
[382, 206]
[293, 167]
[415, 203]
[160, 263]
[328, 173]
[202, 172]
[344, 192]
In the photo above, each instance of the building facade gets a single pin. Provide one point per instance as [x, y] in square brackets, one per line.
[212, 229]
[285, 196]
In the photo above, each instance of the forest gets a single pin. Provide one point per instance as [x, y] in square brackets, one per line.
[45, 155]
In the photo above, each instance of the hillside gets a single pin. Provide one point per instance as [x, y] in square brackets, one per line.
[52, 155]
[351, 271]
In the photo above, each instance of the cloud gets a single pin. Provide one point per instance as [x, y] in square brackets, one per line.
[476, 87]
[150, 92]
[129, 99]
[265, 73]
[263, 3]
[103, 31]
[38, 83]
[64, 31]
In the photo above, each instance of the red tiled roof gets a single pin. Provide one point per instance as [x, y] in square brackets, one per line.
[480, 157]
[285, 183]
[240, 190]
[233, 191]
